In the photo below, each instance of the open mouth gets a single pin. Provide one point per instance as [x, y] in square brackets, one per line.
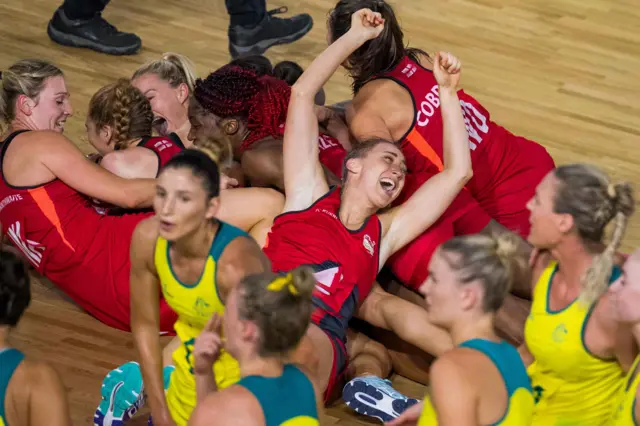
[160, 125]
[59, 126]
[166, 226]
[388, 185]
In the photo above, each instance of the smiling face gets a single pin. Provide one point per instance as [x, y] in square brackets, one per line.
[181, 203]
[51, 108]
[380, 173]
[169, 104]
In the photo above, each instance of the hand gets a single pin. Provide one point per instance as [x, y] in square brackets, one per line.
[366, 24]
[227, 182]
[207, 346]
[409, 417]
[446, 69]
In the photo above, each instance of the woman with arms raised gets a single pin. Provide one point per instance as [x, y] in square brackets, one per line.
[362, 238]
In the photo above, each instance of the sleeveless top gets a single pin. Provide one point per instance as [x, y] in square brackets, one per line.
[10, 359]
[288, 400]
[571, 385]
[345, 262]
[625, 413]
[194, 304]
[514, 375]
[82, 252]
[165, 148]
[491, 145]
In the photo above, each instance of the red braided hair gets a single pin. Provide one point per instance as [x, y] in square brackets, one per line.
[233, 91]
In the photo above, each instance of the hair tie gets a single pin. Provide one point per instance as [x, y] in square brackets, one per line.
[611, 191]
[281, 282]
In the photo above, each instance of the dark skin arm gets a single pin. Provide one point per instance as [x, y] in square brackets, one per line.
[264, 168]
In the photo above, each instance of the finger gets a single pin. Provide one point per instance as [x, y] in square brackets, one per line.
[232, 182]
[436, 60]
[212, 323]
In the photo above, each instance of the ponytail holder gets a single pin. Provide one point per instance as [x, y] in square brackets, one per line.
[281, 282]
[611, 191]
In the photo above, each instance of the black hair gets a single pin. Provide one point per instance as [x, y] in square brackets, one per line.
[376, 56]
[15, 290]
[202, 164]
[261, 65]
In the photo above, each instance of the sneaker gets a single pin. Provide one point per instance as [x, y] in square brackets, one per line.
[93, 33]
[374, 397]
[270, 32]
[122, 396]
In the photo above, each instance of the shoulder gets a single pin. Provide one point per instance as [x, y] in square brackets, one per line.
[450, 370]
[130, 163]
[145, 234]
[240, 249]
[233, 405]
[48, 138]
[256, 160]
[36, 377]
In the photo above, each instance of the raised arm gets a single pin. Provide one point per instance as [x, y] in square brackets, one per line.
[404, 223]
[145, 318]
[304, 179]
[69, 165]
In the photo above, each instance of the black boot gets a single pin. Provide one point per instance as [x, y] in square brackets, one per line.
[270, 32]
[93, 33]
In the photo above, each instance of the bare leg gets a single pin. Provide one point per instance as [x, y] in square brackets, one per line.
[366, 356]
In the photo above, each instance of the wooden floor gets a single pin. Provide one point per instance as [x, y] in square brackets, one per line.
[563, 72]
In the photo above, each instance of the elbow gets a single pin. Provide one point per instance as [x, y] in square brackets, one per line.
[463, 174]
[299, 91]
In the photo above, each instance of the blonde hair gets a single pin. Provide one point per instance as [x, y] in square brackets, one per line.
[280, 306]
[26, 77]
[173, 68]
[587, 194]
[494, 261]
[221, 153]
[125, 109]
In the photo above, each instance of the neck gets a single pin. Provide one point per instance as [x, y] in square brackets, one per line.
[255, 365]
[573, 259]
[132, 142]
[635, 330]
[22, 123]
[197, 243]
[355, 208]
[183, 133]
[477, 327]
[4, 334]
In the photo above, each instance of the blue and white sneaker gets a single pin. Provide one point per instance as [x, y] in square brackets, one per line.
[374, 397]
[122, 396]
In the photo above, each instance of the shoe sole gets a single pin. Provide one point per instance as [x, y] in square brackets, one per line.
[369, 401]
[75, 41]
[264, 45]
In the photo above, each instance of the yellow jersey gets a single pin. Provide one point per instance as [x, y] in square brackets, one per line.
[571, 385]
[507, 360]
[625, 414]
[194, 304]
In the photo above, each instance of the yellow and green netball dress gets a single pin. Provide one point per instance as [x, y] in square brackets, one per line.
[194, 304]
[10, 359]
[625, 414]
[508, 362]
[571, 385]
[288, 400]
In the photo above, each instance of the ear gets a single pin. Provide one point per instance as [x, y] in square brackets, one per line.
[183, 93]
[212, 208]
[354, 165]
[564, 222]
[249, 331]
[26, 105]
[106, 133]
[469, 295]
[230, 126]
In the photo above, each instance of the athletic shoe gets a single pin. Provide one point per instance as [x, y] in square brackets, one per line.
[93, 33]
[270, 32]
[374, 397]
[122, 396]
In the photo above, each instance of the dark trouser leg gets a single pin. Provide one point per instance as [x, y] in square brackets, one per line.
[83, 9]
[245, 13]
[78, 23]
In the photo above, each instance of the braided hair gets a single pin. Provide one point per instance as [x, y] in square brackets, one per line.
[233, 91]
[125, 109]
